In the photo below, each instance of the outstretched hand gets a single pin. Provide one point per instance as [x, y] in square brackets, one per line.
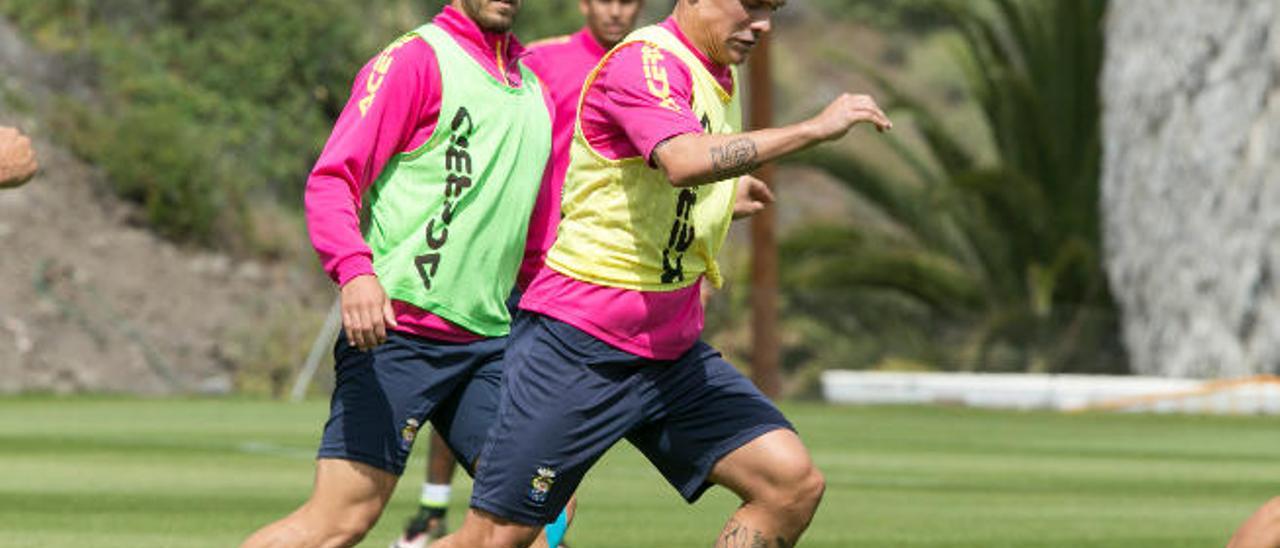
[845, 112]
[366, 312]
[753, 196]
[17, 159]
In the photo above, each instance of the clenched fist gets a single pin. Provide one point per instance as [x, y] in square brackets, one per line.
[17, 159]
[753, 196]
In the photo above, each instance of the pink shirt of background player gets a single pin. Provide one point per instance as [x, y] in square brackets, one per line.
[562, 63]
[621, 118]
[400, 117]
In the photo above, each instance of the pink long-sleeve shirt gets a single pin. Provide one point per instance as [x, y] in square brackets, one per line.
[394, 107]
[562, 63]
[622, 118]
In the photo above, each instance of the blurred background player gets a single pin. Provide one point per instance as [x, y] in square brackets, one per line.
[17, 158]
[431, 522]
[609, 347]
[562, 64]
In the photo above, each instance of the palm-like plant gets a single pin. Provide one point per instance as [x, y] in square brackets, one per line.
[988, 257]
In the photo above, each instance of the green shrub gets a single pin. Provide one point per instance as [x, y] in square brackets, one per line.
[981, 264]
[200, 104]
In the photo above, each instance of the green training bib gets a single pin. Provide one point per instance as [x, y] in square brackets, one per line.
[448, 220]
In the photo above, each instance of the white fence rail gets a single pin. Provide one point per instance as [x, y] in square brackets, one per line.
[1253, 395]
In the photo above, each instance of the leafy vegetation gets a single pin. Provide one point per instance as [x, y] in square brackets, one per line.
[978, 264]
[908, 15]
[209, 111]
[983, 252]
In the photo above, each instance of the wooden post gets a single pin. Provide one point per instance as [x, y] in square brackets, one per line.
[765, 351]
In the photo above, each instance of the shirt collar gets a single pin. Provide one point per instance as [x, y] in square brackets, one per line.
[462, 28]
[587, 40]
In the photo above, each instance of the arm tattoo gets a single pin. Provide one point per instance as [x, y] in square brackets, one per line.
[734, 158]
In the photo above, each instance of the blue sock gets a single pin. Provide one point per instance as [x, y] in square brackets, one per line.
[555, 531]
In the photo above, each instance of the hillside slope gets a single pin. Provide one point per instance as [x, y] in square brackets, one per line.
[92, 302]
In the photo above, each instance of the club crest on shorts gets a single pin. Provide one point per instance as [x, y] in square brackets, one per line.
[408, 433]
[540, 486]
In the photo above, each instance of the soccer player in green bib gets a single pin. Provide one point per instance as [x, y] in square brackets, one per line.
[447, 137]
[561, 64]
[608, 345]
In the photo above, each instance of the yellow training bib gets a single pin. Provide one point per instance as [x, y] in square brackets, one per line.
[624, 225]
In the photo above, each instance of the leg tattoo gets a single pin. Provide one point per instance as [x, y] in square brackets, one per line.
[738, 535]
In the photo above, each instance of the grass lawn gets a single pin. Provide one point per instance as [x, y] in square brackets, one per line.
[108, 472]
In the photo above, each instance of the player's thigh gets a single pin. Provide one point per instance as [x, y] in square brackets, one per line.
[464, 419]
[349, 494]
[773, 466]
[351, 482]
[382, 397]
[703, 410]
[566, 399]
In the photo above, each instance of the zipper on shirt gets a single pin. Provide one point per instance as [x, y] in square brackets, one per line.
[502, 66]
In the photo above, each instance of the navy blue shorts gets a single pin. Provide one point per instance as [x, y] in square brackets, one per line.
[568, 397]
[383, 397]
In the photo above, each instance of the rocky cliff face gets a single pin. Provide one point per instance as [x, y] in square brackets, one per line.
[1191, 183]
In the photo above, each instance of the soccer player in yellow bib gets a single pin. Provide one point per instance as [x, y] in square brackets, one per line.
[562, 64]
[608, 345]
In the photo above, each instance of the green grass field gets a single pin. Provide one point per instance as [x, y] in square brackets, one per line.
[108, 472]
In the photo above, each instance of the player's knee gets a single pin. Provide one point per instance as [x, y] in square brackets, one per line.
[349, 528]
[513, 537]
[343, 535]
[349, 532]
[498, 537]
[802, 498]
[809, 489]
[798, 494]
[485, 530]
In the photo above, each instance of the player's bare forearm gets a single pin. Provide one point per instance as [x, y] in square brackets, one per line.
[697, 158]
